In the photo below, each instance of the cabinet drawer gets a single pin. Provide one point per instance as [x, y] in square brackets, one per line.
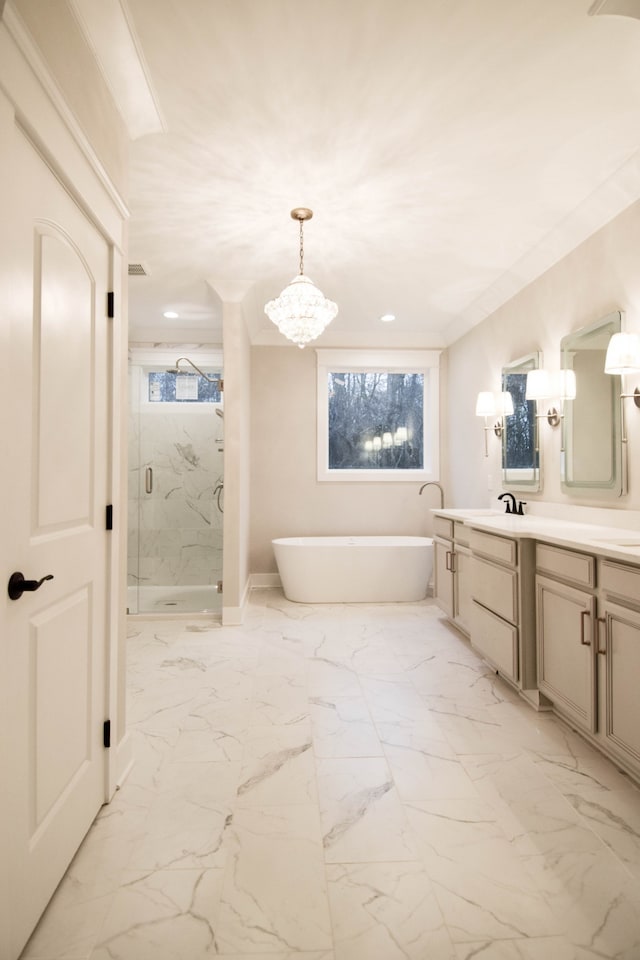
[501, 549]
[461, 533]
[621, 581]
[568, 565]
[495, 640]
[495, 588]
[443, 528]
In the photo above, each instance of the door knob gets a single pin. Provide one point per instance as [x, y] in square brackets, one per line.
[18, 584]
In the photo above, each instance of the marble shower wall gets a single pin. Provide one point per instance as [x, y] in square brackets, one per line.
[175, 532]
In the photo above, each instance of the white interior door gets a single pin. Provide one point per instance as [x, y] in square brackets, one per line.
[53, 284]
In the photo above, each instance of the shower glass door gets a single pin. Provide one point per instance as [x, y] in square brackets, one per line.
[176, 499]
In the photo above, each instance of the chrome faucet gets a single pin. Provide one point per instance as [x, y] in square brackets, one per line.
[434, 483]
[514, 506]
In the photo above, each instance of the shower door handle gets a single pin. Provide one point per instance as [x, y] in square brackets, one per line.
[148, 480]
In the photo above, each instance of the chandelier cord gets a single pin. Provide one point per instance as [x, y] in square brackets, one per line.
[301, 248]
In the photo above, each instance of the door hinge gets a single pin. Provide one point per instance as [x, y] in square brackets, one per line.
[110, 305]
[106, 734]
[219, 586]
[109, 516]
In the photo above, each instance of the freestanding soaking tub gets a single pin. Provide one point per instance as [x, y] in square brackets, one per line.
[354, 569]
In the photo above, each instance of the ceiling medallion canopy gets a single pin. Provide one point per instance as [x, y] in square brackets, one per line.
[301, 312]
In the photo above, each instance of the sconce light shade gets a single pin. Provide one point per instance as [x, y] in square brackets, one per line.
[566, 384]
[539, 385]
[505, 404]
[547, 384]
[486, 404]
[623, 353]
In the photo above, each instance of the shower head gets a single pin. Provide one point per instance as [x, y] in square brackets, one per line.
[177, 369]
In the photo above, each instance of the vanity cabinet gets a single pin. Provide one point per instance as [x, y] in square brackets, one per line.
[451, 564]
[618, 655]
[588, 635]
[462, 577]
[565, 617]
[560, 623]
[502, 608]
[443, 564]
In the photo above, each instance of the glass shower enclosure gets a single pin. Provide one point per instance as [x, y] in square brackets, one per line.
[176, 483]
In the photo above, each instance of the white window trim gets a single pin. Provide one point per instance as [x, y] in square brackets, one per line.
[426, 362]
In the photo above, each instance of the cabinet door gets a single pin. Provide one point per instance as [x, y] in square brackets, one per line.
[620, 647]
[443, 575]
[462, 588]
[566, 649]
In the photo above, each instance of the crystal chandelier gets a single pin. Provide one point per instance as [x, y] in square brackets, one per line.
[301, 312]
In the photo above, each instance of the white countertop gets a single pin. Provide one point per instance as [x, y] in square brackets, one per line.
[613, 542]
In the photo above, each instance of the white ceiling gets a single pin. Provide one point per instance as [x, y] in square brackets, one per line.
[451, 150]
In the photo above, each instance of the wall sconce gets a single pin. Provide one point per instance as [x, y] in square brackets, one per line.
[546, 385]
[490, 404]
[623, 356]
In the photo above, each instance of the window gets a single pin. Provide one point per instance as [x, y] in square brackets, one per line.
[165, 387]
[378, 415]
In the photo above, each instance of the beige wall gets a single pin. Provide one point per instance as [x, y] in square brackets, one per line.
[62, 45]
[286, 498]
[601, 275]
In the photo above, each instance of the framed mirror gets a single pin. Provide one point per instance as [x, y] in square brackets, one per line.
[591, 462]
[520, 449]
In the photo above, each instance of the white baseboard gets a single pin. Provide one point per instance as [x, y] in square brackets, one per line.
[262, 580]
[234, 616]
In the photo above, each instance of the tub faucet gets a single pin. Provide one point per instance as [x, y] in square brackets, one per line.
[434, 483]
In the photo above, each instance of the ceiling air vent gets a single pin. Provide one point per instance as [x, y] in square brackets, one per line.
[137, 270]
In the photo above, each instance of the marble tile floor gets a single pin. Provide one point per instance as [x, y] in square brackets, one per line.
[346, 782]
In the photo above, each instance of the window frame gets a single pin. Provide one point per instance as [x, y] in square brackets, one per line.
[426, 362]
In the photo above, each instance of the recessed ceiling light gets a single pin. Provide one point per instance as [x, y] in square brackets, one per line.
[387, 317]
[171, 315]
